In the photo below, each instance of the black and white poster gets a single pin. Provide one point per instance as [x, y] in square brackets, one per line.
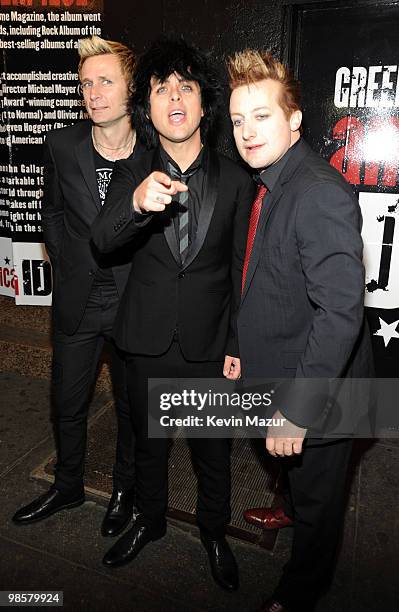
[39, 91]
[351, 110]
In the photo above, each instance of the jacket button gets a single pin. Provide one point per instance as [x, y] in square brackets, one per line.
[91, 272]
[181, 275]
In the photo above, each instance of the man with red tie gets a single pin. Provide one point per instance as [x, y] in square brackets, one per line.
[301, 314]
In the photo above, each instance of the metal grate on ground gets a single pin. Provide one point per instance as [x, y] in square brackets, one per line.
[253, 476]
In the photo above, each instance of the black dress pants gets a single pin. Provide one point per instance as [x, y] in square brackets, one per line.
[316, 502]
[75, 361]
[211, 458]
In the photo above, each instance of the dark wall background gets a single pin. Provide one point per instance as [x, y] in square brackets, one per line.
[217, 25]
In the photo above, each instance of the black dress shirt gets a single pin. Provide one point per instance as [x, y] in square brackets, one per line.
[196, 191]
[270, 175]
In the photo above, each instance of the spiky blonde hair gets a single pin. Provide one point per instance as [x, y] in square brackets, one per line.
[251, 66]
[90, 47]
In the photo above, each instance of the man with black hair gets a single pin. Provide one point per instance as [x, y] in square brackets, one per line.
[185, 211]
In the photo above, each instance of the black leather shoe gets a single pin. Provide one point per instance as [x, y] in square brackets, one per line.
[44, 506]
[223, 564]
[130, 544]
[119, 512]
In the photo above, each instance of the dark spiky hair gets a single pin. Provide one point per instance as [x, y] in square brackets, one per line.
[168, 55]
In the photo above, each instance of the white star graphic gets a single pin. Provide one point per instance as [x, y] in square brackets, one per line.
[387, 331]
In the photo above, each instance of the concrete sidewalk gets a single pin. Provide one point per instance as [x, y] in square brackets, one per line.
[65, 551]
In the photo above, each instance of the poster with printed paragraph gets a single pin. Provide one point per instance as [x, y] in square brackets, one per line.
[39, 92]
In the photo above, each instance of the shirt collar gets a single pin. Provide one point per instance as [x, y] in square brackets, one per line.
[199, 162]
[270, 175]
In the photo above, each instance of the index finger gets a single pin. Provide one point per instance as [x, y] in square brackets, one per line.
[162, 178]
[179, 186]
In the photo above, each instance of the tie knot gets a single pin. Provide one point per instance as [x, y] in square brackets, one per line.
[176, 175]
[262, 189]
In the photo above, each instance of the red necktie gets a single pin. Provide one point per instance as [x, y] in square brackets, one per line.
[253, 224]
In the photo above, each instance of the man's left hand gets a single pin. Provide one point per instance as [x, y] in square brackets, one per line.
[232, 367]
[284, 440]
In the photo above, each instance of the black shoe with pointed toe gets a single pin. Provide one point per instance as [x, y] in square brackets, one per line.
[47, 504]
[130, 544]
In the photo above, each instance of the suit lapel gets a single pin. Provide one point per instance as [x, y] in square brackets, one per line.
[207, 206]
[85, 158]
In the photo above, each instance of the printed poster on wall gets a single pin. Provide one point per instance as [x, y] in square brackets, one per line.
[351, 111]
[39, 92]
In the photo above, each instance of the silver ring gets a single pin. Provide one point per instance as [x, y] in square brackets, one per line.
[159, 199]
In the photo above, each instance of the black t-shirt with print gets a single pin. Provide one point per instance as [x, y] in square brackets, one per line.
[104, 169]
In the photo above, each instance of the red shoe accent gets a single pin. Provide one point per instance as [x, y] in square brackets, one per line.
[266, 518]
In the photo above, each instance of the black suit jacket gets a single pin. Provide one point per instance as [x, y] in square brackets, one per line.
[199, 299]
[71, 202]
[301, 313]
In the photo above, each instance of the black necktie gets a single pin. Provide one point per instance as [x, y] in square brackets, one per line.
[182, 198]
